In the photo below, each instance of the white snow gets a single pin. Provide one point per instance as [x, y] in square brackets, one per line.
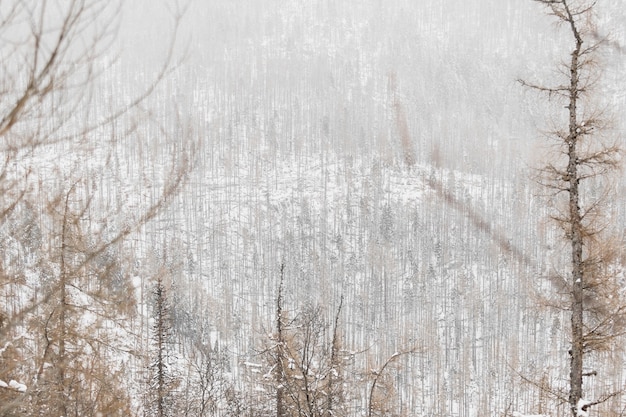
[13, 384]
[136, 280]
[252, 364]
[4, 348]
[582, 408]
[17, 386]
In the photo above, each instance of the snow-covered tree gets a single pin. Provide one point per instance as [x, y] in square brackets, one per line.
[161, 391]
[307, 370]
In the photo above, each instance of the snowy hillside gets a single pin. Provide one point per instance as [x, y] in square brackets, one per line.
[415, 270]
[336, 200]
[301, 164]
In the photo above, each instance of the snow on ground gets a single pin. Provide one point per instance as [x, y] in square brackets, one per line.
[14, 385]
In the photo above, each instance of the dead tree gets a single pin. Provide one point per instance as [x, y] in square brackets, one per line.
[585, 158]
[306, 361]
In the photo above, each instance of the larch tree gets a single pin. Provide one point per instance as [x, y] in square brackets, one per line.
[381, 391]
[583, 162]
[88, 297]
[65, 267]
[306, 362]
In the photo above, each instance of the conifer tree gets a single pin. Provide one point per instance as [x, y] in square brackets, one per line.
[161, 398]
[584, 161]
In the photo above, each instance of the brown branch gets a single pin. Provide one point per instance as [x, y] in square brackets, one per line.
[543, 387]
[378, 373]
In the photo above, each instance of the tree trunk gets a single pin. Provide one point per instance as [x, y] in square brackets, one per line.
[280, 360]
[576, 230]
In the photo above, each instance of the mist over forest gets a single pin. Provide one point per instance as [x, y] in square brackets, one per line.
[299, 208]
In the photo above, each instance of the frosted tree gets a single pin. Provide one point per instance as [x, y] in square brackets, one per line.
[162, 384]
[306, 362]
[582, 164]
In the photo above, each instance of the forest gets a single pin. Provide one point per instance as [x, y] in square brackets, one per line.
[312, 208]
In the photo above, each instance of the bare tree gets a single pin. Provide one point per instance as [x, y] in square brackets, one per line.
[583, 161]
[204, 384]
[380, 404]
[281, 341]
[306, 361]
[65, 286]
